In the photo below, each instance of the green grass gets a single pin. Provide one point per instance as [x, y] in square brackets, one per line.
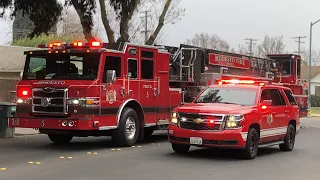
[315, 110]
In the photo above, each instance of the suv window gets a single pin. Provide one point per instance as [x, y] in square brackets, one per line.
[290, 97]
[276, 97]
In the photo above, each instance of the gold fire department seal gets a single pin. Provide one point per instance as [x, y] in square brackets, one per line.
[270, 119]
[111, 96]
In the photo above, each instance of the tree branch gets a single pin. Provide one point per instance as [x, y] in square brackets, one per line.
[86, 22]
[153, 37]
[126, 15]
[105, 21]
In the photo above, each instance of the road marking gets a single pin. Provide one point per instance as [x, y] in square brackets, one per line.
[133, 146]
[139, 146]
[61, 157]
[95, 153]
[112, 149]
[88, 152]
[30, 162]
[38, 163]
[70, 157]
[3, 169]
[119, 149]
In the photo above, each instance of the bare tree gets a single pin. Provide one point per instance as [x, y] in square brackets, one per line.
[315, 57]
[209, 41]
[270, 45]
[242, 49]
[130, 27]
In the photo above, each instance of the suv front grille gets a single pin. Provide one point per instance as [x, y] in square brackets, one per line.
[200, 122]
[49, 101]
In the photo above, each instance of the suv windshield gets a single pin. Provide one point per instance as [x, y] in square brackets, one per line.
[243, 96]
[62, 66]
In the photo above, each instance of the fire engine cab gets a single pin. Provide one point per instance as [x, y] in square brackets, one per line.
[126, 90]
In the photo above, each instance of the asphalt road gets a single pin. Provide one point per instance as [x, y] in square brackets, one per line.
[153, 160]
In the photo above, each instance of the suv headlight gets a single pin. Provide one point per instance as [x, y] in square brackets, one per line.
[174, 118]
[233, 121]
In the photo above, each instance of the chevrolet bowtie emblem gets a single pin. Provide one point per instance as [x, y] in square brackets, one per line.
[198, 121]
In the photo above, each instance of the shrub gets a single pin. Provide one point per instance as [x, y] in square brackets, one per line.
[315, 101]
[44, 39]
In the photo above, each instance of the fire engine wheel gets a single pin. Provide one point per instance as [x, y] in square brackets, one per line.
[251, 149]
[60, 139]
[289, 139]
[181, 149]
[128, 131]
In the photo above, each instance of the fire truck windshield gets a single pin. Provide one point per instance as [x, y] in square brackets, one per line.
[62, 66]
[239, 96]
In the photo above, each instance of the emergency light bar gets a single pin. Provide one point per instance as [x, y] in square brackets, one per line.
[76, 44]
[245, 82]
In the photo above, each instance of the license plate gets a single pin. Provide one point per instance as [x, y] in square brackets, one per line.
[196, 140]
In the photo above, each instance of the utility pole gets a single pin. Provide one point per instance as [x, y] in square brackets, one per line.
[145, 17]
[250, 45]
[299, 43]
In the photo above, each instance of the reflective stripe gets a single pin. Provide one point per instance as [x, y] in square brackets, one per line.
[268, 132]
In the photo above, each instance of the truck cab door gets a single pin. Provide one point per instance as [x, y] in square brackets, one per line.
[110, 93]
[148, 85]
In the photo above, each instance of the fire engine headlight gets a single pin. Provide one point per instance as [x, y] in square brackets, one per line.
[64, 123]
[71, 123]
[233, 121]
[174, 118]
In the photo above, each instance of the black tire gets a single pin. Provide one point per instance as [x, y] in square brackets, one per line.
[148, 132]
[181, 149]
[251, 149]
[60, 139]
[119, 136]
[289, 139]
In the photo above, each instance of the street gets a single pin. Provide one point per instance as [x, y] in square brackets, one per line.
[154, 159]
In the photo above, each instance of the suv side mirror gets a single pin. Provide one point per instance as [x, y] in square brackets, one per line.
[267, 102]
[110, 76]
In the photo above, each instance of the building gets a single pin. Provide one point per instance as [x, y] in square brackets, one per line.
[315, 78]
[12, 62]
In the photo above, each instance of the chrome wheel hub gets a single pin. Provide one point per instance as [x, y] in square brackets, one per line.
[130, 128]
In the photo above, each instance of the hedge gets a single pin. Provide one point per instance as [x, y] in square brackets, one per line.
[315, 101]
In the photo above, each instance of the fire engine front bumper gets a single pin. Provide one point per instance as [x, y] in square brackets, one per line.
[225, 139]
[55, 123]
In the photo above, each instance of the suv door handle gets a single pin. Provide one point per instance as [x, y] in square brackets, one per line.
[286, 111]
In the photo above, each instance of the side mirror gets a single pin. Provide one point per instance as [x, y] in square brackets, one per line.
[110, 76]
[267, 102]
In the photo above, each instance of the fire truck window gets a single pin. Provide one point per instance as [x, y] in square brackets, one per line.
[62, 66]
[133, 68]
[287, 67]
[146, 69]
[298, 66]
[276, 97]
[113, 63]
[290, 97]
[147, 54]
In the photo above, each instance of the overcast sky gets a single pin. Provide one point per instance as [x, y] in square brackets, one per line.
[235, 20]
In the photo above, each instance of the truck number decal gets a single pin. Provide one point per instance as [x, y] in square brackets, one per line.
[147, 86]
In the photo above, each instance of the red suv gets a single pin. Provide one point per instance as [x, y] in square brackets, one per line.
[237, 116]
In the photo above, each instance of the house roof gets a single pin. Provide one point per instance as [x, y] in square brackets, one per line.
[315, 70]
[12, 58]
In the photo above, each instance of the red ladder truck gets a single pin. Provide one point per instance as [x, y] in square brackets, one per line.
[128, 90]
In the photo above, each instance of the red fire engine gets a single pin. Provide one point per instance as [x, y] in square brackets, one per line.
[127, 90]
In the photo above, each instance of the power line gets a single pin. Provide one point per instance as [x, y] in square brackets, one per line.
[146, 25]
[299, 43]
[250, 45]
